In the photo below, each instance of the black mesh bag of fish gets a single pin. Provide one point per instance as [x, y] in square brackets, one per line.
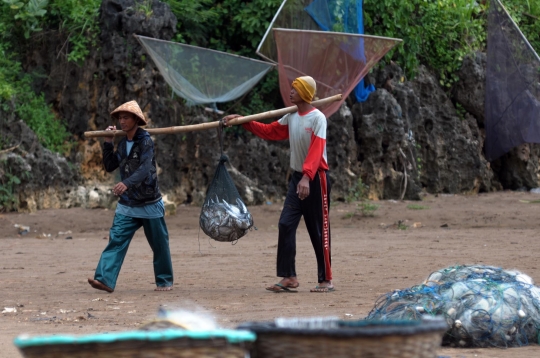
[224, 216]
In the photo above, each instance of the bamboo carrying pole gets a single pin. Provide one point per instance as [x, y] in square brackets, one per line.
[209, 125]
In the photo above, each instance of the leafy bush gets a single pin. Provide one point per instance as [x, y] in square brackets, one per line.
[9, 183]
[18, 20]
[435, 33]
[193, 20]
[526, 13]
[367, 208]
[417, 207]
[29, 14]
[15, 86]
[439, 33]
[51, 132]
[8, 200]
[79, 20]
[358, 192]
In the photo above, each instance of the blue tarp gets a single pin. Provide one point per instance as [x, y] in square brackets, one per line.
[342, 16]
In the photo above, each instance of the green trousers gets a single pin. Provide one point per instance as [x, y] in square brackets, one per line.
[121, 233]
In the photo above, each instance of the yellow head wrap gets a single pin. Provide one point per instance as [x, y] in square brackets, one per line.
[306, 87]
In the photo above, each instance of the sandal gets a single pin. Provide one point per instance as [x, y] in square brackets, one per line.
[323, 289]
[278, 287]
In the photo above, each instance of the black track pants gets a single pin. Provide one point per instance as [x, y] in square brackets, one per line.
[315, 209]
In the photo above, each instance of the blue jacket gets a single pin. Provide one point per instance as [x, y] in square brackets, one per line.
[138, 170]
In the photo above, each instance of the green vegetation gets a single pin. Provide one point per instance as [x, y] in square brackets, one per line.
[16, 86]
[530, 201]
[19, 20]
[8, 182]
[28, 14]
[76, 19]
[8, 200]
[435, 33]
[359, 193]
[144, 7]
[227, 25]
[79, 21]
[367, 208]
[526, 13]
[401, 225]
[417, 207]
[440, 33]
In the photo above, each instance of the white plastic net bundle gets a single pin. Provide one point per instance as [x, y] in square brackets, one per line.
[484, 306]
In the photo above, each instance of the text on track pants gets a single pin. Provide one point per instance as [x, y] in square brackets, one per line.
[315, 209]
[121, 233]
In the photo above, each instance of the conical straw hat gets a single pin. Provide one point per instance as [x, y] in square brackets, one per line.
[131, 107]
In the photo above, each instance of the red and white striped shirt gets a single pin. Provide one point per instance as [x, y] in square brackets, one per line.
[307, 136]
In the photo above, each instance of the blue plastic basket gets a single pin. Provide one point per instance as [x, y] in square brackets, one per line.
[170, 343]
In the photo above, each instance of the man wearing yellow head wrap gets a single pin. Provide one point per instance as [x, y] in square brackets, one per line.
[308, 193]
[306, 87]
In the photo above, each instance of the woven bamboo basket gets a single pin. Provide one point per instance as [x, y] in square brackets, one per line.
[349, 339]
[171, 343]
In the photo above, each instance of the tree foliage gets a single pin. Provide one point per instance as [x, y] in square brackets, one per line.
[438, 33]
[16, 87]
[19, 21]
[526, 13]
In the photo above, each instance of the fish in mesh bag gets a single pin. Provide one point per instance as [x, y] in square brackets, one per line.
[224, 216]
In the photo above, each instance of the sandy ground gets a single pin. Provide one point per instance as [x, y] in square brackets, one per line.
[44, 276]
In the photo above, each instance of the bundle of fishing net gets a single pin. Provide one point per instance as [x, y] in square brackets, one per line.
[224, 216]
[484, 306]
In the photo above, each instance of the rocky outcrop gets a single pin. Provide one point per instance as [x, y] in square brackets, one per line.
[32, 168]
[384, 151]
[470, 90]
[412, 129]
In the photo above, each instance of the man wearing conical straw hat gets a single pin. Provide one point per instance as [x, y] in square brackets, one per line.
[139, 204]
[308, 194]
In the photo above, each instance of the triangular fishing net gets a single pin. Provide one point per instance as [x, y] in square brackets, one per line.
[202, 75]
[336, 61]
[224, 216]
[512, 102]
[342, 16]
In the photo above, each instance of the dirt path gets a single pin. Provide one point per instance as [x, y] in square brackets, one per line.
[45, 276]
